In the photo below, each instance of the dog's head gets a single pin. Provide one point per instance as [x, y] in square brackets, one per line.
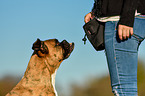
[53, 48]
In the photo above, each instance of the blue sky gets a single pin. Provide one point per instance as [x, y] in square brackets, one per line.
[23, 21]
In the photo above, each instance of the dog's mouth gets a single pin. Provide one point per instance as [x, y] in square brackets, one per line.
[68, 48]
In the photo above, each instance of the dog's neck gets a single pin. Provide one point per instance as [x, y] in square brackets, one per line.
[40, 74]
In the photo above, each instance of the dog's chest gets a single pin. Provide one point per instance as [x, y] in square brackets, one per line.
[53, 81]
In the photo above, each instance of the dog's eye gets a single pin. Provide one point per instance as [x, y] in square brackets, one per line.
[57, 44]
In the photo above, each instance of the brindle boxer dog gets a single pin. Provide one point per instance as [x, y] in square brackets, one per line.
[39, 77]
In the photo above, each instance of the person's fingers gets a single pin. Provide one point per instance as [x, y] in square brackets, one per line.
[127, 33]
[124, 32]
[131, 31]
[87, 18]
[120, 33]
[92, 16]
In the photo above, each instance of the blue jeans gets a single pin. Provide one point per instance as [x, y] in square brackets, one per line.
[122, 57]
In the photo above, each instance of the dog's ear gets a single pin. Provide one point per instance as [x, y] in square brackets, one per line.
[40, 48]
[36, 45]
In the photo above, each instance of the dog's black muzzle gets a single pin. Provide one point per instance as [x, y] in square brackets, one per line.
[68, 48]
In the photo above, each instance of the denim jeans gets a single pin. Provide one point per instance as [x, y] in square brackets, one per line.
[122, 57]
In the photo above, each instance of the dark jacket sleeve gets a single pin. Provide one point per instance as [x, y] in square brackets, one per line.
[94, 9]
[128, 12]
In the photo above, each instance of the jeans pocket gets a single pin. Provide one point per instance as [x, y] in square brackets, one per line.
[140, 16]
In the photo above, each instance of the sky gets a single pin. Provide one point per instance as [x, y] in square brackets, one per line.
[23, 21]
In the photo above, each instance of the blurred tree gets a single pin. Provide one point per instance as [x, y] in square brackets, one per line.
[7, 83]
[102, 86]
[96, 87]
[141, 78]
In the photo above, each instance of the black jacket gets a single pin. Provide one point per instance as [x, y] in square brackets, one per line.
[125, 8]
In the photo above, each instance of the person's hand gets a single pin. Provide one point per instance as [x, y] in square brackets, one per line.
[124, 32]
[88, 17]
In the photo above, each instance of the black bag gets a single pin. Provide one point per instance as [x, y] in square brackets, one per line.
[94, 30]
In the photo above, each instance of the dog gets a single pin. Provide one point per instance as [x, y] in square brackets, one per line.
[39, 77]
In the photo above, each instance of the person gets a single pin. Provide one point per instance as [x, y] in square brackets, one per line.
[124, 32]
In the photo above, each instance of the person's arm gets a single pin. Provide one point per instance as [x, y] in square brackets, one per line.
[128, 12]
[126, 22]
